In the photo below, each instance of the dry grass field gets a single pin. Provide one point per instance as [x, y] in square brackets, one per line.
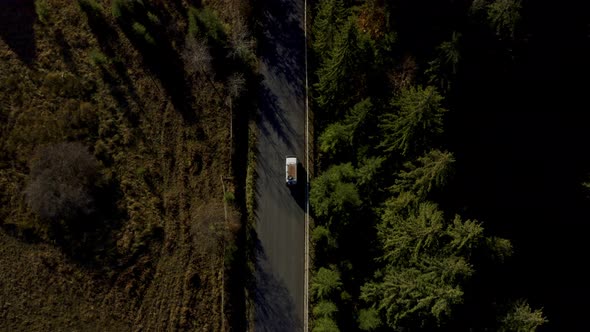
[152, 255]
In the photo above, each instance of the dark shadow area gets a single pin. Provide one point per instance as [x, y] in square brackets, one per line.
[65, 51]
[16, 28]
[114, 72]
[519, 130]
[274, 307]
[273, 114]
[166, 64]
[281, 48]
[239, 277]
[298, 191]
[90, 239]
[101, 28]
[281, 40]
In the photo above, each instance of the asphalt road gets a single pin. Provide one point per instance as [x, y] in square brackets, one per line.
[279, 294]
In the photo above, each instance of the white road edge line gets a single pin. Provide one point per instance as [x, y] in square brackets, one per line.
[306, 258]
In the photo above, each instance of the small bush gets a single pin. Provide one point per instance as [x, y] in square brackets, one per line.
[98, 58]
[65, 84]
[119, 7]
[153, 18]
[213, 25]
[124, 9]
[141, 31]
[61, 181]
[207, 21]
[90, 7]
[193, 28]
[140, 172]
[229, 197]
[42, 9]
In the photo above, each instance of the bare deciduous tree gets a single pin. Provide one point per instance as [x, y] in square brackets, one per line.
[61, 180]
[197, 57]
[240, 39]
[235, 85]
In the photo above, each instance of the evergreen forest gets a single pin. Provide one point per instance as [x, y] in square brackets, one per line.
[450, 139]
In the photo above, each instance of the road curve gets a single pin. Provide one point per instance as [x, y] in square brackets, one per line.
[280, 215]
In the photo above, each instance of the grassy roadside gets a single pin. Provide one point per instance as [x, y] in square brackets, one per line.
[251, 220]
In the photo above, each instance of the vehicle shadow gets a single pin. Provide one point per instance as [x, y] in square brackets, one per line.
[298, 191]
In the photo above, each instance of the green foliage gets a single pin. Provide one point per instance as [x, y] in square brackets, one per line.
[340, 136]
[450, 53]
[153, 18]
[427, 173]
[405, 237]
[66, 85]
[90, 7]
[325, 283]
[504, 16]
[417, 119]
[325, 324]
[368, 170]
[425, 261]
[337, 77]
[333, 193]
[329, 18]
[384, 49]
[368, 319]
[141, 31]
[193, 28]
[500, 248]
[98, 58]
[229, 197]
[205, 23]
[424, 292]
[320, 234]
[522, 318]
[324, 309]
[335, 138]
[445, 64]
[465, 235]
[356, 121]
[119, 8]
[42, 10]
[126, 9]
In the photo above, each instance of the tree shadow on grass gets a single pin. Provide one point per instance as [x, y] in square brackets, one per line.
[65, 51]
[16, 28]
[90, 239]
[115, 73]
[101, 28]
[160, 57]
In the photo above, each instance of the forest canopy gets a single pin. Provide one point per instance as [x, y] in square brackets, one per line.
[381, 102]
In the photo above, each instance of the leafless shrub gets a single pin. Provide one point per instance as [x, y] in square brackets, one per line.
[197, 57]
[241, 41]
[235, 85]
[61, 180]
